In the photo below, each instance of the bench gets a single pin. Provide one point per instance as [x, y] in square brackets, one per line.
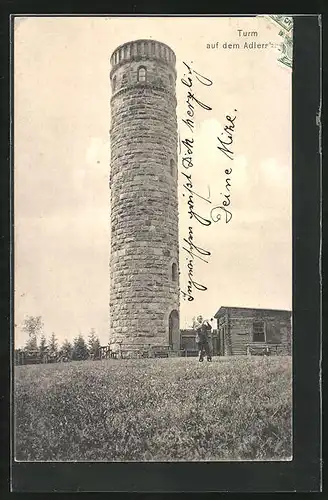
[132, 351]
[160, 351]
[190, 353]
[260, 349]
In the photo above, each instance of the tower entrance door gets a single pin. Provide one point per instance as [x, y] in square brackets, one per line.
[174, 330]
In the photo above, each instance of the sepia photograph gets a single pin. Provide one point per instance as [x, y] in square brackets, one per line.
[152, 239]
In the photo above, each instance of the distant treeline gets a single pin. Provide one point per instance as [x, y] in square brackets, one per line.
[41, 349]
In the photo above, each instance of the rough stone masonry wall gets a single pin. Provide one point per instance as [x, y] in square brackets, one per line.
[144, 201]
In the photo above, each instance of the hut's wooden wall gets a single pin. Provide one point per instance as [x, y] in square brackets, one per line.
[239, 331]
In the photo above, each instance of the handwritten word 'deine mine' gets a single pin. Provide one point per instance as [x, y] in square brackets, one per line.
[225, 146]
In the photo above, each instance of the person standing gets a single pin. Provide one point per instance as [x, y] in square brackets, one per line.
[203, 338]
[199, 338]
[208, 339]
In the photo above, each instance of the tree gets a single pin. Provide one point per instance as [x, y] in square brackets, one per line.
[43, 345]
[31, 343]
[66, 349]
[53, 346]
[33, 326]
[93, 343]
[80, 349]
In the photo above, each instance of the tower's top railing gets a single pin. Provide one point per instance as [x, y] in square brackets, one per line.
[139, 50]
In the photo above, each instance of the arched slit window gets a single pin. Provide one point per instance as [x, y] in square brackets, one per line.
[124, 79]
[171, 80]
[142, 74]
[114, 83]
[172, 166]
[174, 272]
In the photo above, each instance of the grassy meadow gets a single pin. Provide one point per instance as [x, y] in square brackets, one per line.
[235, 408]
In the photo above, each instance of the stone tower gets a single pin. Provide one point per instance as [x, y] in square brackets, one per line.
[144, 274]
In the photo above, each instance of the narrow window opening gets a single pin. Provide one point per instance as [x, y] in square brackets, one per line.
[174, 272]
[142, 74]
[171, 79]
[114, 83]
[172, 166]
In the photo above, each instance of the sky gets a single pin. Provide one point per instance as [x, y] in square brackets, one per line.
[62, 164]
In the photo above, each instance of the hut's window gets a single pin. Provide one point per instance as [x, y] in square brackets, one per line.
[174, 272]
[171, 79]
[142, 74]
[172, 167]
[258, 331]
[114, 83]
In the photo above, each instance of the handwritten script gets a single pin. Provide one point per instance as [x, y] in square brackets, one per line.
[224, 142]
[187, 144]
[191, 80]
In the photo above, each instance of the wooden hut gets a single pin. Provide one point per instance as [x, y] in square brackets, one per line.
[244, 330]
